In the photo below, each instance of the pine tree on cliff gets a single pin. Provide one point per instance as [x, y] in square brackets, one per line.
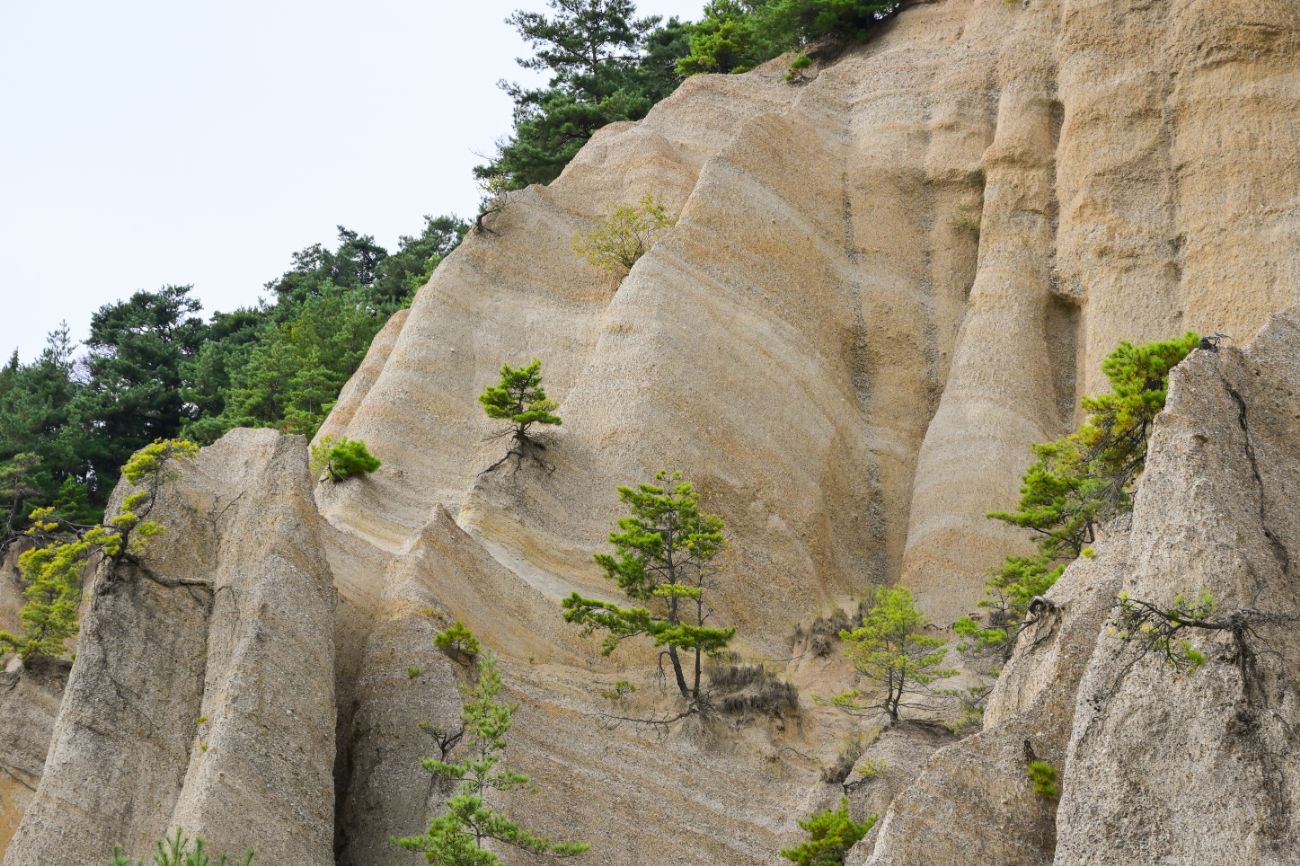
[458, 836]
[1079, 482]
[663, 553]
[519, 399]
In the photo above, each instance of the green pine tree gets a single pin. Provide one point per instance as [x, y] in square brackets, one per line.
[831, 833]
[1078, 482]
[52, 572]
[663, 554]
[177, 850]
[891, 650]
[458, 836]
[519, 399]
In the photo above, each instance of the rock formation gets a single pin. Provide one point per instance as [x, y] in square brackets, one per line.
[884, 283]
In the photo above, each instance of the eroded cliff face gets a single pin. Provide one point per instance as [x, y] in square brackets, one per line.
[884, 284]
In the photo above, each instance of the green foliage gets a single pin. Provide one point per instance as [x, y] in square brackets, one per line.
[457, 837]
[737, 35]
[520, 399]
[341, 459]
[629, 231]
[891, 650]
[1044, 777]
[458, 640]
[1087, 477]
[619, 691]
[154, 369]
[1159, 630]
[1077, 483]
[176, 850]
[830, 836]
[1007, 594]
[663, 552]
[52, 572]
[605, 65]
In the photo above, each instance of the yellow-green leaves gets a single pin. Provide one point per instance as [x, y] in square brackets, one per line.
[622, 237]
[53, 572]
[890, 649]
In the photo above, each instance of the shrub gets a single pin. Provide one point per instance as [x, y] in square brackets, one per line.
[341, 459]
[458, 640]
[621, 238]
[737, 689]
[177, 850]
[830, 836]
[1043, 775]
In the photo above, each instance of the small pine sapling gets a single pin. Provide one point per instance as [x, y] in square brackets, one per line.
[663, 555]
[891, 650]
[831, 834]
[338, 460]
[459, 836]
[520, 399]
[177, 850]
[458, 640]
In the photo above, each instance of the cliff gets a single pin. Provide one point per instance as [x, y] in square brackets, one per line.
[884, 283]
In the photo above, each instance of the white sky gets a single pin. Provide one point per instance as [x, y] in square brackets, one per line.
[147, 142]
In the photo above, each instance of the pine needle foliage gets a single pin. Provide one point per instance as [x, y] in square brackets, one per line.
[831, 834]
[663, 553]
[458, 640]
[519, 399]
[622, 237]
[1077, 483]
[1044, 777]
[458, 836]
[891, 650]
[52, 572]
[341, 459]
[177, 850]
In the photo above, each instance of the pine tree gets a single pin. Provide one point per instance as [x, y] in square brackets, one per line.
[663, 552]
[177, 850]
[892, 651]
[831, 833]
[458, 836]
[520, 399]
[52, 572]
[1078, 482]
[341, 459]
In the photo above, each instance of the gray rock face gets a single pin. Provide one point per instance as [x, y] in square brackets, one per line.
[1203, 767]
[206, 707]
[1156, 766]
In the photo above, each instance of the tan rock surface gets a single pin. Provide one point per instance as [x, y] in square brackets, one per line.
[884, 284]
[29, 702]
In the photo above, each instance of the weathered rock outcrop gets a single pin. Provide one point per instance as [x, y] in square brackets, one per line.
[1205, 766]
[202, 694]
[29, 703]
[1157, 766]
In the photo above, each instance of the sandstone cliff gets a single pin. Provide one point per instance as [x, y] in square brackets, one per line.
[884, 284]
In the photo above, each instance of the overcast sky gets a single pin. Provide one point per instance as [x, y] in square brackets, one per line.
[148, 142]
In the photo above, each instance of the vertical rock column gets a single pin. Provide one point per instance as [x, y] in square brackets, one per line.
[1001, 391]
[265, 736]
